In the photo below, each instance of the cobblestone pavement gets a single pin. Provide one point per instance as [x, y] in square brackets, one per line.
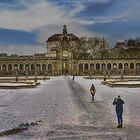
[63, 110]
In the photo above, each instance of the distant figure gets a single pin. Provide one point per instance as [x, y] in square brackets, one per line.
[119, 110]
[73, 78]
[104, 78]
[92, 91]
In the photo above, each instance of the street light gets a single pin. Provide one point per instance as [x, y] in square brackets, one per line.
[26, 75]
[15, 73]
[35, 73]
[104, 73]
[122, 75]
[109, 73]
[45, 76]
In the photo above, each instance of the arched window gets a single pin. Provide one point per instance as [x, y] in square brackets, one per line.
[126, 66]
[4, 67]
[9, 67]
[27, 69]
[91, 66]
[131, 66]
[26, 66]
[16, 67]
[49, 67]
[32, 67]
[97, 66]
[109, 66]
[86, 66]
[120, 66]
[80, 66]
[21, 67]
[44, 67]
[137, 66]
[114, 65]
[103, 66]
[38, 67]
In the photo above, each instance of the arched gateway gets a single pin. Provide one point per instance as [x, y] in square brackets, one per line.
[62, 46]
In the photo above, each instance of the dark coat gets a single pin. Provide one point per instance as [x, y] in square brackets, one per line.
[93, 90]
[119, 105]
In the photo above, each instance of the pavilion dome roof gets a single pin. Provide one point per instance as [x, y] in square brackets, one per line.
[57, 37]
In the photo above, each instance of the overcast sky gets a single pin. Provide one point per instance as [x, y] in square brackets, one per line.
[25, 25]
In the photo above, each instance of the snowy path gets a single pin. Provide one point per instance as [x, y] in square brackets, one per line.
[66, 111]
[131, 96]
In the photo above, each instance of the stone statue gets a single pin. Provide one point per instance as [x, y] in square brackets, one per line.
[64, 29]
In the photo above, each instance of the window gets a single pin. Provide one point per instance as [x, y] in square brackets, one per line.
[86, 66]
[97, 66]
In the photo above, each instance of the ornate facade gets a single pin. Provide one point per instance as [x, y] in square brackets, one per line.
[69, 54]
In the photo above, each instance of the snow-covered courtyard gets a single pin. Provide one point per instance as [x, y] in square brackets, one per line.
[63, 110]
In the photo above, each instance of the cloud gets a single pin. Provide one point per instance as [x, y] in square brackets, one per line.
[41, 18]
[73, 2]
[96, 20]
[76, 6]
[34, 16]
[39, 14]
[42, 14]
[23, 49]
[46, 17]
[78, 9]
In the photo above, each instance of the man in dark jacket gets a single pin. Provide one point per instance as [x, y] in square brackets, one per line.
[119, 110]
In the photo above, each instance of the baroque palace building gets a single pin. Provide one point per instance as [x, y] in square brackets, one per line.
[69, 54]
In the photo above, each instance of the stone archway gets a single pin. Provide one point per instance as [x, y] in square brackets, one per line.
[137, 68]
[126, 68]
[50, 69]
[10, 67]
[65, 68]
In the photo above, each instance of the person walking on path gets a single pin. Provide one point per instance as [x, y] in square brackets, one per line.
[119, 110]
[73, 78]
[92, 91]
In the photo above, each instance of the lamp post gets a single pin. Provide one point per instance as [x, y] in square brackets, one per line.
[26, 75]
[16, 73]
[35, 79]
[45, 76]
[104, 73]
[108, 73]
[122, 75]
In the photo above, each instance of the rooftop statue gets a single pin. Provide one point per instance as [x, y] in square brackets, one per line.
[64, 29]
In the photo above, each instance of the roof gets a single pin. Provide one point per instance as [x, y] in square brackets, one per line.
[56, 37]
